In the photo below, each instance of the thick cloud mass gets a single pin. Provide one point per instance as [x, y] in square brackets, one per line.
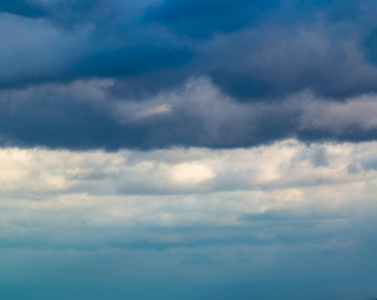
[185, 73]
[188, 149]
[25, 8]
[84, 115]
[285, 220]
[201, 19]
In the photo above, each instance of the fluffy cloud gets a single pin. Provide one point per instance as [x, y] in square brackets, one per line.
[185, 217]
[270, 178]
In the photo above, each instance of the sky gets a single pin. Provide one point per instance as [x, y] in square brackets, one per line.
[188, 149]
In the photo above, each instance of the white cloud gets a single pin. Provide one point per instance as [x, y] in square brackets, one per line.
[184, 186]
[191, 173]
[156, 110]
[211, 213]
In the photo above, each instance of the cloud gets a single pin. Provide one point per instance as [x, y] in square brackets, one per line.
[158, 110]
[40, 172]
[271, 212]
[34, 47]
[338, 117]
[272, 63]
[85, 115]
[191, 173]
[181, 149]
[30, 9]
[131, 60]
[202, 19]
[198, 76]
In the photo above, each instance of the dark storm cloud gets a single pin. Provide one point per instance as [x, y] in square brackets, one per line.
[65, 123]
[57, 119]
[257, 54]
[131, 61]
[78, 39]
[370, 46]
[145, 85]
[69, 116]
[201, 19]
[22, 7]
[260, 65]
[256, 50]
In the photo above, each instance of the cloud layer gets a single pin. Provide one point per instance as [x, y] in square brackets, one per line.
[255, 58]
[186, 149]
[84, 115]
[252, 218]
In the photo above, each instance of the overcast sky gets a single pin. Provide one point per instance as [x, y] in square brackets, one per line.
[188, 149]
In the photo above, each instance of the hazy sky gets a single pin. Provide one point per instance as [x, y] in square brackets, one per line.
[188, 149]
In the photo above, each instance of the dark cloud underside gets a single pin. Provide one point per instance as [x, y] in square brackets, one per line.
[21, 7]
[256, 53]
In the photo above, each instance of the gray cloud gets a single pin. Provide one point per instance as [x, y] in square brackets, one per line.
[257, 58]
[85, 115]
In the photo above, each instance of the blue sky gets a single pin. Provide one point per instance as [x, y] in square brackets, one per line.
[185, 149]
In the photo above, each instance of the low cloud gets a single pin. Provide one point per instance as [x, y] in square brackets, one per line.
[198, 216]
[85, 115]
